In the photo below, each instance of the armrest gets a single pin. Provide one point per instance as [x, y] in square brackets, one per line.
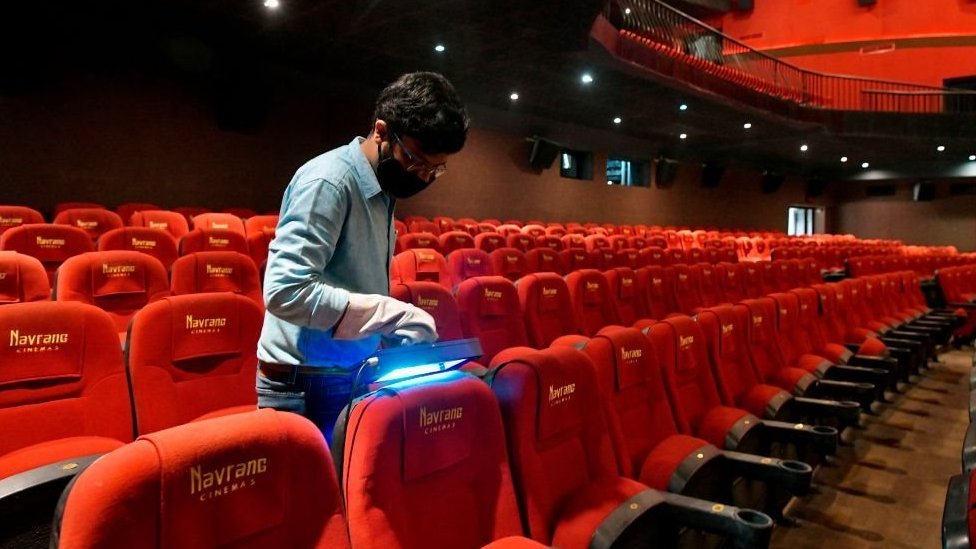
[632, 523]
[821, 437]
[969, 449]
[794, 476]
[16, 485]
[874, 376]
[863, 393]
[961, 305]
[888, 364]
[844, 410]
[955, 514]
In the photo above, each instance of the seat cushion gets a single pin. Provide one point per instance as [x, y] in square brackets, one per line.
[665, 458]
[53, 451]
[718, 422]
[762, 399]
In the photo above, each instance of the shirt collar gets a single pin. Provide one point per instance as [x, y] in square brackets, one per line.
[365, 176]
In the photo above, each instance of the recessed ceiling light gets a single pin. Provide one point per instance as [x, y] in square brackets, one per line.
[514, 96]
[271, 4]
[865, 165]
[972, 157]
[627, 11]
[439, 48]
[940, 148]
[804, 148]
[683, 136]
[683, 107]
[843, 159]
[747, 125]
[617, 120]
[587, 78]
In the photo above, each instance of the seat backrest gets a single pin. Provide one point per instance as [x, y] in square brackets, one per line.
[709, 285]
[627, 294]
[411, 444]
[596, 242]
[589, 293]
[50, 244]
[261, 224]
[656, 291]
[753, 281]
[62, 206]
[489, 241]
[508, 262]
[94, 221]
[685, 293]
[205, 272]
[573, 241]
[810, 319]
[172, 222]
[420, 264]
[127, 209]
[543, 260]
[15, 216]
[793, 339]
[551, 242]
[730, 280]
[155, 242]
[412, 241]
[652, 256]
[759, 316]
[62, 375]
[675, 256]
[628, 257]
[219, 221]
[574, 259]
[489, 310]
[258, 245]
[546, 308]
[455, 240]
[468, 263]
[534, 230]
[22, 279]
[437, 301]
[189, 212]
[191, 485]
[522, 242]
[728, 356]
[424, 226]
[120, 282]
[192, 355]
[213, 240]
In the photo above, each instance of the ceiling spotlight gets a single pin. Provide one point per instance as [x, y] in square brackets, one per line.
[747, 125]
[439, 48]
[803, 148]
[627, 11]
[940, 148]
[683, 136]
[514, 96]
[865, 165]
[617, 120]
[972, 157]
[683, 107]
[843, 159]
[587, 78]
[271, 4]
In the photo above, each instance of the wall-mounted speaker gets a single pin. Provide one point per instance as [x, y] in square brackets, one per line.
[771, 182]
[665, 173]
[711, 175]
[923, 191]
[543, 153]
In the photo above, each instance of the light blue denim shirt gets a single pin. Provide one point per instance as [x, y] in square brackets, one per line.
[335, 236]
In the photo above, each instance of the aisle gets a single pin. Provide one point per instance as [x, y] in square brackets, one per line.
[889, 488]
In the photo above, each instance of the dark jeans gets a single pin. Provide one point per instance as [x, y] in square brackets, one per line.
[320, 398]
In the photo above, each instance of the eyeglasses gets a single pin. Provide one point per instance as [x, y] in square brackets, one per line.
[420, 166]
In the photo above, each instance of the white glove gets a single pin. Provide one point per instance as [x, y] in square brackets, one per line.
[372, 314]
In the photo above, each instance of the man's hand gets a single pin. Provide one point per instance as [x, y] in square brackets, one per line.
[369, 314]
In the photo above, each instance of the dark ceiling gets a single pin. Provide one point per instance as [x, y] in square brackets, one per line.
[539, 48]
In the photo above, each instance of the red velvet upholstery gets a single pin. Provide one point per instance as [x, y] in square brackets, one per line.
[22, 279]
[651, 256]
[63, 391]
[685, 295]
[414, 445]
[838, 327]
[119, 282]
[62, 206]
[675, 256]
[546, 308]
[126, 210]
[213, 240]
[51, 244]
[436, 300]
[709, 285]
[573, 241]
[94, 221]
[592, 302]
[753, 281]
[763, 346]
[155, 242]
[561, 454]
[577, 258]
[522, 242]
[423, 264]
[261, 479]
[489, 241]
[455, 240]
[219, 222]
[411, 241]
[508, 262]
[811, 322]
[172, 222]
[543, 260]
[261, 224]
[468, 263]
[550, 241]
[423, 226]
[217, 272]
[191, 355]
[730, 280]
[489, 310]
[656, 291]
[628, 295]
[15, 216]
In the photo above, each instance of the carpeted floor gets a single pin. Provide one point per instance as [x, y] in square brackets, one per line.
[888, 488]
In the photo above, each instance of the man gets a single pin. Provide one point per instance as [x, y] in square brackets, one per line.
[327, 281]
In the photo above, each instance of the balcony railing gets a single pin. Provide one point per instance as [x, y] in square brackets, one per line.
[660, 37]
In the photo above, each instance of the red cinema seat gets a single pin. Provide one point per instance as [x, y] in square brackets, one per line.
[445, 223]
[155, 242]
[192, 357]
[51, 244]
[455, 240]
[574, 259]
[412, 444]
[94, 221]
[551, 242]
[172, 222]
[489, 310]
[753, 280]
[675, 256]
[468, 263]
[189, 212]
[261, 224]
[534, 230]
[543, 260]
[573, 241]
[424, 226]
[730, 281]
[695, 255]
[258, 246]
[652, 256]
[709, 284]
[685, 290]
[22, 279]
[522, 242]
[119, 282]
[627, 294]
[508, 262]
[437, 301]
[213, 240]
[242, 213]
[15, 216]
[206, 272]
[219, 222]
[657, 291]
[64, 399]
[420, 264]
[62, 206]
[489, 241]
[412, 241]
[596, 242]
[508, 228]
[127, 209]
[592, 301]
[546, 308]
[192, 486]
[618, 242]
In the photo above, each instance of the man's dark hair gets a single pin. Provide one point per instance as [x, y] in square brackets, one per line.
[424, 106]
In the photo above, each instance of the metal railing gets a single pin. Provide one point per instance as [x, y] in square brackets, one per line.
[651, 30]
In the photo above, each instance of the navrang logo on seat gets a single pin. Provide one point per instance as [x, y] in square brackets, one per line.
[562, 394]
[685, 341]
[437, 421]
[158, 225]
[218, 242]
[11, 221]
[427, 302]
[219, 271]
[141, 244]
[86, 224]
[204, 325]
[37, 343]
[492, 295]
[226, 479]
[630, 355]
[117, 271]
[220, 225]
[549, 292]
[727, 329]
[592, 287]
[51, 243]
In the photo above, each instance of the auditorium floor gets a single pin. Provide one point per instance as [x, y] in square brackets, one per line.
[888, 489]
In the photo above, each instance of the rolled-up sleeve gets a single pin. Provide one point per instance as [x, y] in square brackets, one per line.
[308, 229]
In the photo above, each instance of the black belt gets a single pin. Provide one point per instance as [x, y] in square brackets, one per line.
[288, 373]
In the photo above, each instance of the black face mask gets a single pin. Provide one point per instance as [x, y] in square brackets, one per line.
[395, 179]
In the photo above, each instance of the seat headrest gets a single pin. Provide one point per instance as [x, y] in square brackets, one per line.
[118, 276]
[687, 336]
[559, 376]
[592, 285]
[219, 272]
[475, 264]
[10, 291]
[205, 325]
[626, 285]
[551, 291]
[425, 260]
[631, 355]
[42, 341]
[497, 297]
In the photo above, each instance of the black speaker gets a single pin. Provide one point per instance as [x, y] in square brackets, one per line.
[665, 173]
[923, 191]
[543, 153]
[815, 187]
[771, 182]
[743, 5]
[711, 175]
[865, 2]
